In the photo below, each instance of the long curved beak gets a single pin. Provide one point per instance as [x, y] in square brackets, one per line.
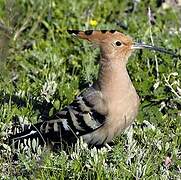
[145, 46]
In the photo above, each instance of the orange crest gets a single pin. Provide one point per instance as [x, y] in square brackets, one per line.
[100, 36]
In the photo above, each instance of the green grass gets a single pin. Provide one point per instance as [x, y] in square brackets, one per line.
[41, 65]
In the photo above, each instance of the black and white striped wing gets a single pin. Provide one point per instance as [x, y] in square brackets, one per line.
[79, 118]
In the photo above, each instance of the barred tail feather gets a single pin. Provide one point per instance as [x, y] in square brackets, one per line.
[35, 136]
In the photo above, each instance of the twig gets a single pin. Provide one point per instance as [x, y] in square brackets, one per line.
[152, 42]
[39, 133]
[170, 86]
[22, 28]
[52, 168]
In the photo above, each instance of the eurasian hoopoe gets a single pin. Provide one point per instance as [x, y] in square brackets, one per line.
[102, 111]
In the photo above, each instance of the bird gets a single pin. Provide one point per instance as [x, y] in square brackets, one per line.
[102, 111]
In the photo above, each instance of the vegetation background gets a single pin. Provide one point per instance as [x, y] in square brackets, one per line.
[42, 68]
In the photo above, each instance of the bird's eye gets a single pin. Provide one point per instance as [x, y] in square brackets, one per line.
[118, 43]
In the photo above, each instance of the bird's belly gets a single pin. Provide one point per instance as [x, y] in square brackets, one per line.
[113, 126]
[122, 113]
[123, 121]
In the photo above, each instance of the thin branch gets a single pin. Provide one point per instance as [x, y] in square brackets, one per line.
[152, 42]
[52, 168]
[22, 28]
[170, 86]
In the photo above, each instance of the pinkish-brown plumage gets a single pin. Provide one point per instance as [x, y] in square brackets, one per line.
[102, 111]
[120, 100]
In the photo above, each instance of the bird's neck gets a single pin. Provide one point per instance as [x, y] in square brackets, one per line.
[113, 79]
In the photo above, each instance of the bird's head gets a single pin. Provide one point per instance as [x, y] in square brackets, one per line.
[114, 44]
